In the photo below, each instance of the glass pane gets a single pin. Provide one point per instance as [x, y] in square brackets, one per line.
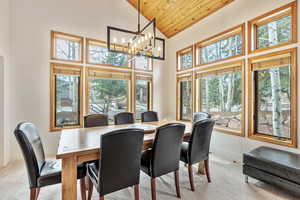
[186, 60]
[221, 96]
[222, 49]
[101, 55]
[275, 32]
[186, 100]
[273, 99]
[67, 100]
[67, 49]
[142, 98]
[108, 96]
[142, 62]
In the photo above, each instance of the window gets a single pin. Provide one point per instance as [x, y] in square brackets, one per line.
[143, 94]
[228, 44]
[143, 63]
[273, 29]
[184, 97]
[66, 47]
[97, 53]
[108, 91]
[272, 112]
[219, 91]
[66, 90]
[185, 58]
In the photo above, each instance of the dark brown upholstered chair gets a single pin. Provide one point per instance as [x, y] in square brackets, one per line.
[120, 163]
[41, 173]
[164, 157]
[95, 120]
[124, 118]
[149, 116]
[200, 116]
[197, 149]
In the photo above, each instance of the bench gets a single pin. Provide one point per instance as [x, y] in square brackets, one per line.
[277, 167]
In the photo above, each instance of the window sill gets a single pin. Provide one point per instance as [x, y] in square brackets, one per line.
[271, 139]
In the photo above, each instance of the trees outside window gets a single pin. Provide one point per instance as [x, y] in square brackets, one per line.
[142, 97]
[185, 58]
[143, 63]
[186, 100]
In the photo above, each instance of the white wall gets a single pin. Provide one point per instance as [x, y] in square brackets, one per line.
[32, 21]
[227, 146]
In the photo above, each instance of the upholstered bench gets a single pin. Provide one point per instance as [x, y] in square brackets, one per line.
[277, 167]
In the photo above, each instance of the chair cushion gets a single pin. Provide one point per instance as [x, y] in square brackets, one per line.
[146, 162]
[274, 161]
[51, 173]
[184, 152]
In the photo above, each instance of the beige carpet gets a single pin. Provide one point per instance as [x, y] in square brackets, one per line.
[227, 184]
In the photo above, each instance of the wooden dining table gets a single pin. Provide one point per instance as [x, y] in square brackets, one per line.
[83, 144]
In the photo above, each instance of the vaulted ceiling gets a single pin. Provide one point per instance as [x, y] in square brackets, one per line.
[173, 16]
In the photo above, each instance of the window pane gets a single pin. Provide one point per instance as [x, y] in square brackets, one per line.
[222, 49]
[67, 100]
[221, 96]
[186, 100]
[142, 97]
[101, 55]
[142, 62]
[273, 101]
[186, 60]
[275, 32]
[108, 96]
[67, 49]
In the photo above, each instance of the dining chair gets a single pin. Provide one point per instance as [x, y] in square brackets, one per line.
[119, 166]
[124, 118]
[164, 156]
[41, 172]
[95, 120]
[197, 149]
[201, 116]
[149, 116]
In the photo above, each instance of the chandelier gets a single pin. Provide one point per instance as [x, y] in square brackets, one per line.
[142, 42]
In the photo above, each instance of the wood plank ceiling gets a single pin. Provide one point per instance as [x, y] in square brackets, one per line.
[173, 16]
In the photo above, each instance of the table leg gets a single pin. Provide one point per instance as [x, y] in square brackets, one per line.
[69, 179]
[201, 169]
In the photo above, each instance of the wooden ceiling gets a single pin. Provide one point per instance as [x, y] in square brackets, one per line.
[173, 16]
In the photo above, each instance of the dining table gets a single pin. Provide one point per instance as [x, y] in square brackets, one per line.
[83, 145]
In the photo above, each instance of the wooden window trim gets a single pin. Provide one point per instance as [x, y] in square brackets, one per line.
[189, 49]
[251, 101]
[103, 44]
[268, 17]
[143, 70]
[70, 36]
[179, 79]
[215, 38]
[226, 66]
[54, 66]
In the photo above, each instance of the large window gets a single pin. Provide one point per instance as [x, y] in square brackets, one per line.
[273, 29]
[66, 90]
[273, 109]
[185, 58]
[184, 97]
[108, 91]
[143, 94]
[66, 47]
[220, 92]
[227, 44]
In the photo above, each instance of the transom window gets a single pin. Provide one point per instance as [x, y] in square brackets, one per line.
[185, 58]
[143, 63]
[184, 97]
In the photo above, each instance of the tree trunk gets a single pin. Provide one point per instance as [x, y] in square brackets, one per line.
[221, 89]
[230, 92]
[207, 94]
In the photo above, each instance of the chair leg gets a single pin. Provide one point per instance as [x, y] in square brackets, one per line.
[137, 192]
[177, 184]
[101, 198]
[90, 189]
[206, 164]
[153, 189]
[37, 192]
[33, 192]
[191, 177]
[83, 189]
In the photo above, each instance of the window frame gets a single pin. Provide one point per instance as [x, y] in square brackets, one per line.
[182, 52]
[223, 67]
[180, 78]
[101, 43]
[68, 71]
[76, 38]
[239, 29]
[252, 100]
[267, 18]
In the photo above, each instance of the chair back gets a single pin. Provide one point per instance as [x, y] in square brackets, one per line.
[200, 140]
[149, 116]
[166, 149]
[95, 120]
[120, 160]
[124, 118]
[200, 116]
[32, 149]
